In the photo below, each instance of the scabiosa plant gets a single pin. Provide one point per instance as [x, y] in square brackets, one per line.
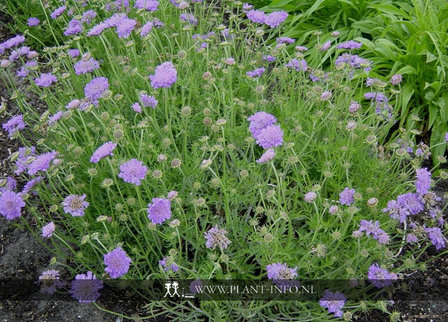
[374, 230]
[259, 121]
[423, 183]
[149, 5]
[380, 277]
[96, 87]
[48, 229]
[436, 237]
[59, 11]
[281, 271]
[216, 237]
[133, 171]
[333, 302]
[32, 22]
[269, 137]
[148, 101]
[45, 80]
[275, 19]
[75, 205]
[267, 156]
[41, 162]
[159, 210]
[14, 125]
[298, 65]
[117, 262]
[167, 266]
[165, 75]
[256, 72]
[85, 288]
[86, 66]
[347, 196]
[310, 196]
[103, 151]
[11, 204]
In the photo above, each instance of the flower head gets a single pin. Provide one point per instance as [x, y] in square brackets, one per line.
[279, 271]
[48, 229]
[96, 87]
[310, 196]
[267, 156]
[423, 183]
[216, 237]
[259, 121]
[380, 277]
[165, 75]
[346, 197]
[75, 205]
[45, 80]
[11, 204]
[133, 171]
[436, 237]
[167, 266]
[86, 66]
[159, 210]
[14, 125]
[103, 151]
[269, 137]
[333, 302]
[85, 288]
[117, 262]
[41, 163]
[32, 22]
[50, 281]
[274, 19]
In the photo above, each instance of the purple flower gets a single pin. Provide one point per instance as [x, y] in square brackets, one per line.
[136, 107]
[298, 65]
[353, 60]
[334, 302]
[149, 5]
[159, 210]
[446, 137]
[351, 44]
[117, 262]
[12, 42]
[148, 101]
[11, 184]
[31, 184]
[354, 107]
[411, 238]
[310, 196]
[124, 27]
[86, 66]
[59, 11]
[411, 203]
[165, 75]
[279, 271]
[14, 125]
[274, 19]
[380, 277]
[326, 46]
[285, 40]
[96, 87]
[11, 204]
[423, 183]
[216, 237]
[256, 72]
[54, 118]
[301, 48]
[88, 16]
[133, 171]
[48, 230]
[50, 281]
[103, 151]
[147, 27]
[256, 16]
[85, 288]
[45, 79]
[346, 197]
[188, 17]
[73, 104]
[374, 230]
[396, 79]
[267, 156]
[73, 53]
[41, 163]
[269, 58]
[259, 121]
[168, 267]
[74, 27]
[269, 137]
[436, 237]
[32, 22]
[75, 205]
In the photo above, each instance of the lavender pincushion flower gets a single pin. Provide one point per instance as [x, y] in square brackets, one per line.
[41, 163]
[280, 271]
[216, 237]
[274, 19]
[267, 156]
[48, 229]
[436, 237]
[124, 27]
[59, 11]
[85, 288]
[165, 75]
[411, 203]
[380, 277]
[256, 16]
[159, 210]
[423, 182]
[148, 101]
[86, 66]
[259, 121]
[117, 262]
[11, 204]
[346, 197]
[269, 137]
[32, 22]
[333, 302]
[396, 79]
[14, 125]
[96, 87]
[351, 44]
[103, 151]
[45, 80]
[298, 65]
[133, 171]
[75, 205]
[146, 29]
[74, 27]
[374, 230]
[149, 5]
[168, 267]
[310, 196]
[136, 107]
[256, 72]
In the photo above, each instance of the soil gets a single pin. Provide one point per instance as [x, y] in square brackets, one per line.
[23, 257]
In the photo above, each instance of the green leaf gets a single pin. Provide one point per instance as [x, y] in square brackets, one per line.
[433, 113]
[430, 57]
[438, 137]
